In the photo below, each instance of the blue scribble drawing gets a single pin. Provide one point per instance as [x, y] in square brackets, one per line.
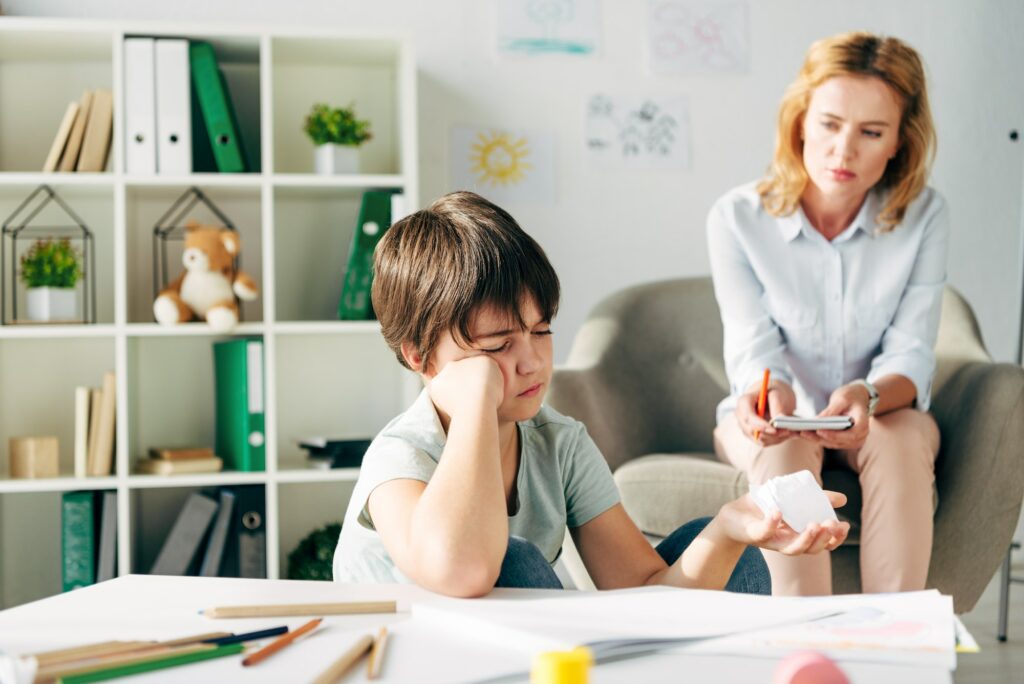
[548, 26]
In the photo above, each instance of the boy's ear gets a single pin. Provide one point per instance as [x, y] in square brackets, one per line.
[412, 356]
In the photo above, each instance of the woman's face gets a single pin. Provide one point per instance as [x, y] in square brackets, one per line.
[850, 132]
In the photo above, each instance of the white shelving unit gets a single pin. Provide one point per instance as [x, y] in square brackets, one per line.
[322, 376]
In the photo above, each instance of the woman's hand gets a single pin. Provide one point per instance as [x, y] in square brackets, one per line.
[781, 402]
[743, 521]
[848, 400]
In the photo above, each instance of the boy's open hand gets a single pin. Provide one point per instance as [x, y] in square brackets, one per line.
[744, 522]
[471, 384]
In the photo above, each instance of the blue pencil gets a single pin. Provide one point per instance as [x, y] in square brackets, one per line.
[248, 636]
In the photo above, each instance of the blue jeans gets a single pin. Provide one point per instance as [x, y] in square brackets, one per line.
[525, 567]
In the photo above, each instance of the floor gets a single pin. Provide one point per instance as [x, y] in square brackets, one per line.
[997, 661]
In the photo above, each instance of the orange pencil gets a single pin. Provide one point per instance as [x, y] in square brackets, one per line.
[280, 642]
[762, 399]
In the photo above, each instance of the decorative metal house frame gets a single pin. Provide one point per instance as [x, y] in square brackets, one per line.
[18, 228]
[170, 227]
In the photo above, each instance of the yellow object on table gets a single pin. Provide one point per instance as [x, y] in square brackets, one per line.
[562, 667]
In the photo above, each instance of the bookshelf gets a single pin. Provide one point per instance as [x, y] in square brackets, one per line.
[322, 376]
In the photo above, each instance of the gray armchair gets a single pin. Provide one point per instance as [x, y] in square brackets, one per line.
[646, 372]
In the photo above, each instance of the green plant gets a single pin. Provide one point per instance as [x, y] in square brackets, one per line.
[51, 263]
[312, 558]
[326, 124]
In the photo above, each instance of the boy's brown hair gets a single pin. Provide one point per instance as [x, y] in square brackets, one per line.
[434, 269]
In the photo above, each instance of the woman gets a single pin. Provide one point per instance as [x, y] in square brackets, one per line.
[829, 273]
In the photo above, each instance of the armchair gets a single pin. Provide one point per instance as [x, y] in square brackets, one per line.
[645, 373]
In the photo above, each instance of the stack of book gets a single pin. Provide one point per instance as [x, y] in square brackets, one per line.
[82, 142]
[178, 461]
[95, 410]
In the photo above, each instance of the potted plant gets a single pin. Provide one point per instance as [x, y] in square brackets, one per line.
[50, 269]
[337, 134]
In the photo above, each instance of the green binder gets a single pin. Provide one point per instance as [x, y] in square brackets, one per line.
[219, 115]
[78, 515]
[374, 219]
[238, 379]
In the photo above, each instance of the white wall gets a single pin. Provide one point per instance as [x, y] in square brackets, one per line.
[609, 230]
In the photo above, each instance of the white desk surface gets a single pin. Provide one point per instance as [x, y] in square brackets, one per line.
[151, 607]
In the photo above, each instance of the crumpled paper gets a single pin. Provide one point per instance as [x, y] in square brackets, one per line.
[799, 497]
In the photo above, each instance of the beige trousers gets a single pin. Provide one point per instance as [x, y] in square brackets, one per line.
[896, 467]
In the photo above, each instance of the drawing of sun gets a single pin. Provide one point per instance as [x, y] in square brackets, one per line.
[498, 159]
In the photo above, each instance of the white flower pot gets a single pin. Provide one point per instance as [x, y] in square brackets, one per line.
[50, 303]
[334, 159]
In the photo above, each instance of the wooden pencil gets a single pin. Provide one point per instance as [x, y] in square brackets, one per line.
[301, 609]
[377, 654]
[347, 660]
[280, 642]
[79, 667]
[166, 660]
[64, 655]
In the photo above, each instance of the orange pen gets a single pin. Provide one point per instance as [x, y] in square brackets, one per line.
[762, 399]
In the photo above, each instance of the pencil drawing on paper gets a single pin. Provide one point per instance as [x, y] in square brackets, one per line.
[548, 26]
[693, 36]
[500, 158]
[648, 131]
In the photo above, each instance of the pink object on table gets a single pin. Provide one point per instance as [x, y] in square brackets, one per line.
[808, 667]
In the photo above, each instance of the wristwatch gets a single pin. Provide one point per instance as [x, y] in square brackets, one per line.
[872, 395]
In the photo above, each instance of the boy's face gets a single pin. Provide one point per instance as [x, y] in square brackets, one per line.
[523, 356]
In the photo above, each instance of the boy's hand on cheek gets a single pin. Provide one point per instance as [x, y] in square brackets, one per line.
[468, 384]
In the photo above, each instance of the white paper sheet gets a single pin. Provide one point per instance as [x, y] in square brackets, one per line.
[505, 166]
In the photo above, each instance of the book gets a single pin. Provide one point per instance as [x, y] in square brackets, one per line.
[181, 454]
[77, 539]
[106, 553]
[159, 466]
[218, 112]
[797, 423]
[96, 144]
[69, 159]
[238, 381]
[61, 139]
[245, 552]
[218, 535]
[83, 396]
[140, 148]
[104, 459]
[173, 107]
[185, 536]
[374, 219]
[95, 402]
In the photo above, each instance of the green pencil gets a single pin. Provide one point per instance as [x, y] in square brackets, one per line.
[155, 664]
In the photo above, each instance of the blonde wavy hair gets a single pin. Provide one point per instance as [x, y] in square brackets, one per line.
[856, 54]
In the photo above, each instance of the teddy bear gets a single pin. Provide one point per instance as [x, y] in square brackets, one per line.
[209, 284]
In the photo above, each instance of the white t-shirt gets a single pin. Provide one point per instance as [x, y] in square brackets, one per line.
[821, 313]
[563, 480]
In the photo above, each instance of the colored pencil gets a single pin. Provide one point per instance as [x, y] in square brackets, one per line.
[301, 609]
[246, 636]
[348, 659]
[377, 654]
[191, 655]
[279, 643]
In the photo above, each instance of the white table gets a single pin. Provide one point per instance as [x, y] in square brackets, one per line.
[150, 607]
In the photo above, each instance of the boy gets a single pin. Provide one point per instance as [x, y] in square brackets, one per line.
[473, 486]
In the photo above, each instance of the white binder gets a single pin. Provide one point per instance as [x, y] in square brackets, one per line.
[139, 106]
[173, 107]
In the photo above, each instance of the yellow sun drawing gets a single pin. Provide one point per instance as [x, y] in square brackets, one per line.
[498, 159]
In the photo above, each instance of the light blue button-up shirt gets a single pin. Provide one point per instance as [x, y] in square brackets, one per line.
[821, 313]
